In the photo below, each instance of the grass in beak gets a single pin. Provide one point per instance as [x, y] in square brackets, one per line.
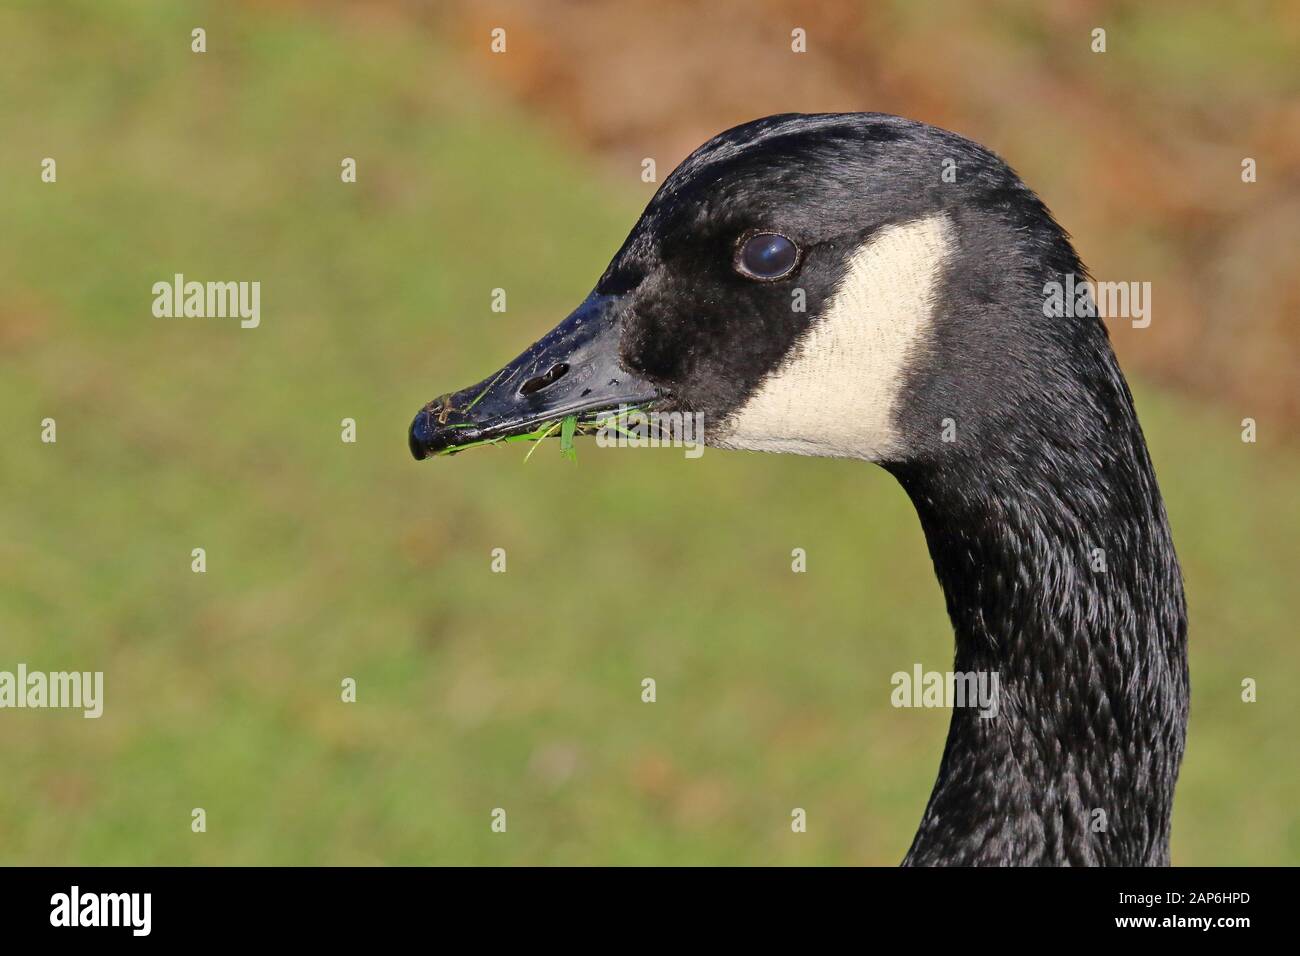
[554, 425]
[566, 438]
[570, 427]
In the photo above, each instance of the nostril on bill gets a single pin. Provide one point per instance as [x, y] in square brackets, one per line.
[550, 377]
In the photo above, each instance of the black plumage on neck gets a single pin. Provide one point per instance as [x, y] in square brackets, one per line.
[1051, 544]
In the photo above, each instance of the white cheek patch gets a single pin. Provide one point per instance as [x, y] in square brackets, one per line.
[834, 395]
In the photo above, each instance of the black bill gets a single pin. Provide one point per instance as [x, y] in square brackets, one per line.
[573, 370]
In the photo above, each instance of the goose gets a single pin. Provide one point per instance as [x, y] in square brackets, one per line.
[866, 286]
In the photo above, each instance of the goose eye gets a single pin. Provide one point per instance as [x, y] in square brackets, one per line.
[767, 255]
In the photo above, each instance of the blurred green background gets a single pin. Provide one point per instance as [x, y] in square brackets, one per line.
[329, 560]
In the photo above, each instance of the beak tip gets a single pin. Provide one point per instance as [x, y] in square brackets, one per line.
[417, 439]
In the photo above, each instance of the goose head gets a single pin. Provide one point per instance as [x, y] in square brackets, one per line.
[865, 286]
[855, 285]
